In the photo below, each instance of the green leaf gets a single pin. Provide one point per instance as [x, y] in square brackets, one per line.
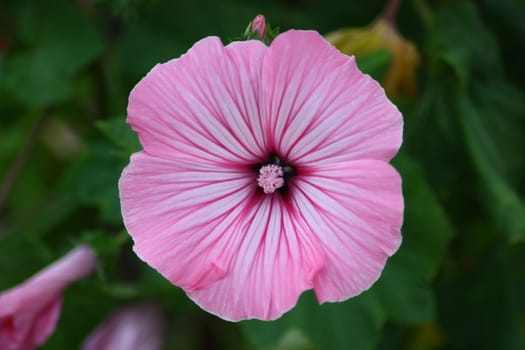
[24, 249]
[426, 228]
[120, 134]
[459, 40]
[93, 180]
[355, 323]
[506, 208]
[477, 121]
[60, 40]
[63, 28]
[501, 112]
[433, 137]
[38, 79]
[405, 286]
[480, 308]
[376, 63]
[107, 245]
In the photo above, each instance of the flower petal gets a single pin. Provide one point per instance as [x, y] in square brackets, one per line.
[26, 330]
[48, 283]
[320, 108]
[203, 106]
[44, 325]
[180, 215]
[356, 210]
[277, 260]
[29, 312]
[235, 251]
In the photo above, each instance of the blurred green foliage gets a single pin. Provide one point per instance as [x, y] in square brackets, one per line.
[458, 280]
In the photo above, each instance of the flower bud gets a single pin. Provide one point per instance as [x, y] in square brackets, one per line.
[259, 25]
[30, 311]
[134, 327]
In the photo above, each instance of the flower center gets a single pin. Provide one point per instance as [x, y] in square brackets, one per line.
[274, 175]
[270, 178]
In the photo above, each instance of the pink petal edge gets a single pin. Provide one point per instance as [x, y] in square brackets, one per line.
[356, 210]
[203, 106]
[328, 114]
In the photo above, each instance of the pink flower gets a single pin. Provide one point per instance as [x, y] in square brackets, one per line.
[259, 25]
[264, 173]
[135, 327]
[29, 312]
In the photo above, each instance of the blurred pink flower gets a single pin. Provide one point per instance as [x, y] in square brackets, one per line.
[135, 327]
[259, 25]
[29, 312]
[264, 173]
